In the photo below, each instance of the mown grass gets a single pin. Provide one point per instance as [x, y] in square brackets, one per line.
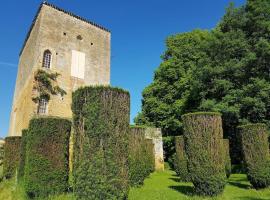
[159, 186]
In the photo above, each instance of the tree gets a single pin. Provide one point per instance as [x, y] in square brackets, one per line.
[225, 70]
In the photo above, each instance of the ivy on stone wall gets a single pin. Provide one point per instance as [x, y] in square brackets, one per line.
[46, 85]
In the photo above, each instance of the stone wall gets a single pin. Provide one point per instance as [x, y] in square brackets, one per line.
[58, 32]
[156, 136]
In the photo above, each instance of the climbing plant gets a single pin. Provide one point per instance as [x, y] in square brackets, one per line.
[45, 84]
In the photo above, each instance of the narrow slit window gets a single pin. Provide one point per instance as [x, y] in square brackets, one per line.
[42, 106]
[47, 56]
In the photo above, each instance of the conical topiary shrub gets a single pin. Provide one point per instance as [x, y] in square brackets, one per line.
[46, 162]
[204, 148]
[255, 149]
[101, 125]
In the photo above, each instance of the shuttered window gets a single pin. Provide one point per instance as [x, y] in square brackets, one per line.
[77, 64]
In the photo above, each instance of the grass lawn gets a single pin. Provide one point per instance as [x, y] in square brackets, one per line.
[160, 186]
[165, 186]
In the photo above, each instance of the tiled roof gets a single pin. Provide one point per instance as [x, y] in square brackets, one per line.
[61, 10]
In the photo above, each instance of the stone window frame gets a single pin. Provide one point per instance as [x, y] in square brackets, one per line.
[42, 108]
[47, 64]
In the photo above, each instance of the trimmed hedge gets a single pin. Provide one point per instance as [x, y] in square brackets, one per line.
[180, 163]
[140, 158]
[255, 149]
[11, 156]
[46, 165]
[150, 156]
[228, 166]
[101, 126]
[22, 154]
[204, 148]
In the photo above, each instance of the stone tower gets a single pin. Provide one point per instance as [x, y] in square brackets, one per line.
[58, 41]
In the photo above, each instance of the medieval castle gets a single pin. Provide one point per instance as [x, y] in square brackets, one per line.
[58, 41]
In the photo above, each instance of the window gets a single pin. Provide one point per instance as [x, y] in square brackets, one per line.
[47, 56]
[42, 106]
[78, 64]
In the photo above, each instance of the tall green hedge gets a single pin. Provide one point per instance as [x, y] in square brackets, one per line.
[204, 147]
[180, 163]
[140, 156]
[228, 166]
[101, 123]
[150, 156]
[22, 154]
[255, 149]
[46, 165]
[11, 156]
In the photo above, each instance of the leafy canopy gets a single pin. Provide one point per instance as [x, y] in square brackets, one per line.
[224, 70]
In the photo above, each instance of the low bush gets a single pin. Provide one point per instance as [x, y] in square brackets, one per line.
[255, 149]
[204, 148]
[101, 126]
[46, 165]
[228, 166]
[180, 163]
[11, 156]
[22, 154]
[140, 161]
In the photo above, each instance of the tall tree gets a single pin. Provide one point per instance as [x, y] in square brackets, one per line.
[225, 70]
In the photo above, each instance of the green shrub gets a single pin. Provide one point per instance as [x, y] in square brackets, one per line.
[204, 148]
[101, 126]
[149, 156]
[255, 149]
[228, 166]
[169, 150]
[46, 165]
[140, 161]
[22, 154]
[180, 163]
[11, 156]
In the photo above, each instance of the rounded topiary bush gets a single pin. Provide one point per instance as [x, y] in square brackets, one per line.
[22, 154]
[256, 154]
[204, 148]
[46, 165]
[11, 156]
[180, 162]
[228, 166]
[140, 161]
[101, 125]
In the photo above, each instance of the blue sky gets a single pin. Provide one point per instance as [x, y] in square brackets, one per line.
[139, 29]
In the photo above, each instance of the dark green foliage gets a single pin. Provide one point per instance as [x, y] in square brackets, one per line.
[1, 154]
[150, 156]
[46, 164]
[180, 163]
[228, 167]
[169, 150]
[11, 156]
[255, 149]
[101, 123]
[22, 154]
[140, 160]
[224, 70]
[204, 149]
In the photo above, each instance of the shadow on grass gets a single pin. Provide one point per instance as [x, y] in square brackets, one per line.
[175, 179]
[184, 189]
[251, 198]
[240, 185]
